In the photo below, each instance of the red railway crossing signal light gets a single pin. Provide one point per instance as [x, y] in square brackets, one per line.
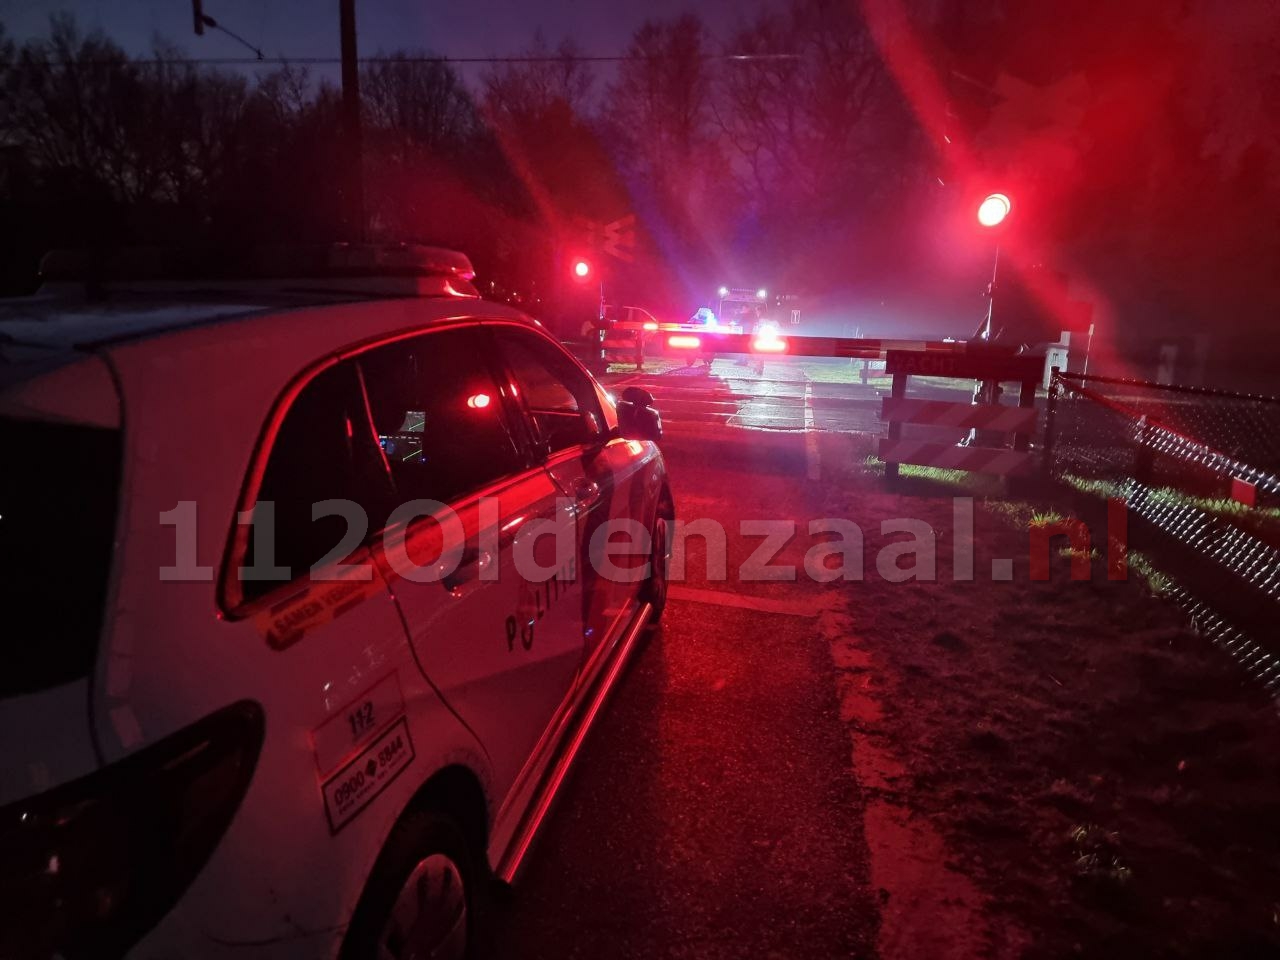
[581, 269]
[993, 210]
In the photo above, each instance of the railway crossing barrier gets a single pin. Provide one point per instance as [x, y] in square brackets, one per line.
[628, 344]
[997, 437]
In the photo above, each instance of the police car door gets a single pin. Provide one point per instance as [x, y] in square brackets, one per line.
[470, 550]
[599, 473]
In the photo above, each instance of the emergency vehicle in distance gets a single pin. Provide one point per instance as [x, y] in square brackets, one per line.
[706, 334]
[244, 725]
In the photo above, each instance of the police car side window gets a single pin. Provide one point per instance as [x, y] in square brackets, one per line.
[322, 451]
[559, 395]
[438, 416]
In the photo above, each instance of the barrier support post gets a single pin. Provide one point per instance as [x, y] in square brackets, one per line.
[898, 392]
[1026, 398]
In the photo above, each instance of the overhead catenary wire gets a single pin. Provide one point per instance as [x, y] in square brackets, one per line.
[336, 61]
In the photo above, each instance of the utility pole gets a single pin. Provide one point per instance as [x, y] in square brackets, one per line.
[352, 192]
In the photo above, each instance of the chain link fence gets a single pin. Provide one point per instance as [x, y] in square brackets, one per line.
[1199, 470]
[1197, 438]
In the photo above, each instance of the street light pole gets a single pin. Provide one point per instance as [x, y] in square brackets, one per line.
[991, 213]
[991, 296]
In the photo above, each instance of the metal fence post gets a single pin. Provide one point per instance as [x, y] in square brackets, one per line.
[1143, 455]
[1050, 415]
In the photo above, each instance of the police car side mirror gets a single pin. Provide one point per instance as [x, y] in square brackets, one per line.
[638, 418]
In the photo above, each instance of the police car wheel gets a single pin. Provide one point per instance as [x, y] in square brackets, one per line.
[420, 901]
[656, 585]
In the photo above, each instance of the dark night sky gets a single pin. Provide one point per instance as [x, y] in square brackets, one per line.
[309, 28]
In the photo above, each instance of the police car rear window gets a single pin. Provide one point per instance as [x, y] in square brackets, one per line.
[432, 427]
[59, 493]
[322, 452]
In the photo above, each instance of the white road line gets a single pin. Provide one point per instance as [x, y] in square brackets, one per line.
[813, 462]
[739, 601]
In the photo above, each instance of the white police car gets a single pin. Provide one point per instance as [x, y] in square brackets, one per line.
[311, 590]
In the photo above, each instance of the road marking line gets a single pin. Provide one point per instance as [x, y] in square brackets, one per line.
[739, 601]
[812, 459]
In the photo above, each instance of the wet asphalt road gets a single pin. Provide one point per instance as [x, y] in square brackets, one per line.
[713, 812]
[782, 396]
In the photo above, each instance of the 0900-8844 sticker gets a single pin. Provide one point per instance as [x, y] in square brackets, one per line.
[353, 787]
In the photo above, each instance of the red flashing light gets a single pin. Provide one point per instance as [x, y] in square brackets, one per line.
[769, 345]
[993, 210]
[581, 269]
[684, 342]
[478, 401]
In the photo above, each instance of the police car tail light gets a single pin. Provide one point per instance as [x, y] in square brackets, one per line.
[650, 325]
[682, 342]
[94, 864]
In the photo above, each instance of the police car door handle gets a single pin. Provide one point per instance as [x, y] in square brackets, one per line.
[468, 572]
[586, 493]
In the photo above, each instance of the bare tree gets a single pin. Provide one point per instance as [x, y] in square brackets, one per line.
[804, 117]
[658, 121]
[538, 112]
[286, 92]
[414, 105]
[73, 103]
[659, 107]
[516, 94]
[6, 65]
[8, 135]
